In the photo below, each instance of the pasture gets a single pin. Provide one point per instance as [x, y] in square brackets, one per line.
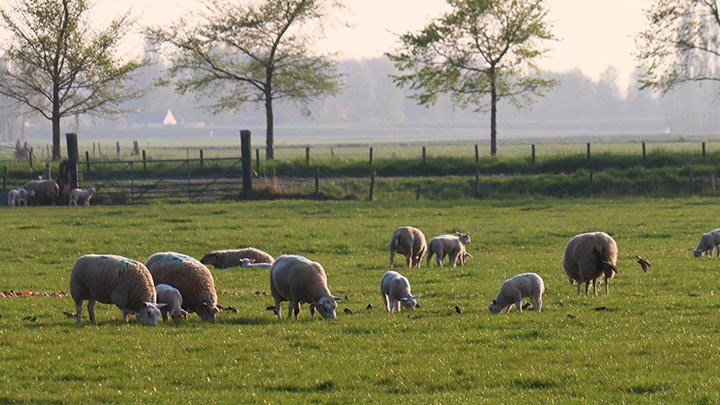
[654, 339]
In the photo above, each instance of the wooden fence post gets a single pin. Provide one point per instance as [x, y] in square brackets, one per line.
[588, 151]
[48, 172]
[423, 154]
[643, 152]
[477, 155]
[73, 158]
[99, 150]
[317, 180]
[703, 150]
[246, 154]
[117, 148]
[477, 183]
[202, 158]
[87, 160]
[372, 185]
[533, 153]
[417, 193]
[307, 155]
[136, 148]
[144, 160]
[370, 159]
[93, 149]
[30, 158]
[590, 184]
[257, 160]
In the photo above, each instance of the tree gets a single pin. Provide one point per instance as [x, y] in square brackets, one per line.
[680, 44]
[479, 48]
[57, 66]
[256, 52]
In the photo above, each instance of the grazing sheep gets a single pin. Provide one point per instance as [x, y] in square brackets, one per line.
[410, 242]
[19, 196]
[514, 289]
[44, 189]
[192, 278]
[395, 289]
[251, 263]
[171, 297]
[589, 256]
[223, 259]
[79, 194]
[448, 245]
[709, 241]
[299, 280]
[113, 279]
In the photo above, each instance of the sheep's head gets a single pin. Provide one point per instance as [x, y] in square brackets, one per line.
[696, 252]
[494, 308]
[245, 262]
[410, 303]
[207, 311]
[327, 306]
[609, 270]
[464, 238]
[91, 190]
[148, 313]
[178, 314]
[209, 258]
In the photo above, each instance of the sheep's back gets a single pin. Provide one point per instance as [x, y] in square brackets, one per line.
[111, 279]
[296, 277]
[187, 274]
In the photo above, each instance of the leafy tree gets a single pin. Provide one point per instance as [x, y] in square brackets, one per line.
[680, 44]
[57, 66]
[479, 48]
[256, 52]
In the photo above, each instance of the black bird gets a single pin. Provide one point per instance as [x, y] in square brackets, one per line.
[30, 318]
[644, 263]
[69, 314]
[458, 309]
[347, 311]
[368, 307]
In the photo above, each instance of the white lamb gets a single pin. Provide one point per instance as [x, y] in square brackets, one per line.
[514, 289]
[395, 289]
[171, 297]
[297, 280]
[448, 245]
[78, 194]
[19, 196]
[708, 242]
[245, 262]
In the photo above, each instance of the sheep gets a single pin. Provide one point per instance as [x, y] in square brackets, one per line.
[80, 194]
[43, 189]
[251, 263]
[589, 256]
[223, 259]
[112, 279]
[190, 277]
[299, 280]
[408, 241]
[514, 289]
[395, 289]
[171, 297]
[709, 241]
[19, 196]
[448, 245]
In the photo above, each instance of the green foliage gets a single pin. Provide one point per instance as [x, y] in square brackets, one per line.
[653, 342]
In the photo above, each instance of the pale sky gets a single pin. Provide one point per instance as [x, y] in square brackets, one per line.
[593, 34]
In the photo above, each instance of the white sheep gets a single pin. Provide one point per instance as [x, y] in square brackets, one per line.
[112, 279]
[709, 241]
[78, 194]
[514, 289]
[299, 280]
[395, 289]
[589, 256]
[408, 241]
[192, 278]
[448, 245]
[223, 259]
[172, 299]
[19, 196]
[45, 189]
[250, 263]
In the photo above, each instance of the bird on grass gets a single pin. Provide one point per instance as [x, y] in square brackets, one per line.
[644, 263]
[458, 310]
[347, 311]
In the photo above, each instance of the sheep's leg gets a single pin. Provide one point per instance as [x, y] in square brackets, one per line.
[408, 260]
[164, 313]
[386, 302]
[607, 288]
[439, 257]
[295, 308]
[312, 310]
[277, 308]
[125, 313]
[518, 304]
[91, 310]
[429, 258]
[392, 257]
[78, 313]
[536, 302]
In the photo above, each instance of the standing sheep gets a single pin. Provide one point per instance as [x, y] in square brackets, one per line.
[299, 280]
[408, 241]
[223, 259]
[190, 277]
[43, 189]
[19, 196]
[589, 256]
[112, 279]
[395, 289]
[172, 299]
[708, 242]
[514, 289]
[448, 245]
[79, 194]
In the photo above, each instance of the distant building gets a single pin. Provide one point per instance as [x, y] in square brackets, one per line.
[151, 119]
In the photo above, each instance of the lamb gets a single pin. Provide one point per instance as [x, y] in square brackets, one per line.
[19, 196]
[190, 277]
[299, 280]
[112, 279]
[171, 297]
[514, 289]
[79, 194]
[587, 257]
[251, 263]
[408, 241]
[43, 189]
[709, 241]
[448, 245]
[223, 259]
[395, 289]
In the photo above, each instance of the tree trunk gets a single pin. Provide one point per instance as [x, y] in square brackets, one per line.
[56, 136]
[493, 117]
[269, 129]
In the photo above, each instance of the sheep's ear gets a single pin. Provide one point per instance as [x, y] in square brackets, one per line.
[160, 305]
[416, 296]
[337, 298]
[403, 299]
[494, 302]
[417, 305]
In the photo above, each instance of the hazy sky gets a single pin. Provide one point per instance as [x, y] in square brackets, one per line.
[594, 34]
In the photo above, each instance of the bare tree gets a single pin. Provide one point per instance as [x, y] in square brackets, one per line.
[57, 66]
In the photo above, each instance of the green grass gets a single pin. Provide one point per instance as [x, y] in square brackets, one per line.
[657, 342]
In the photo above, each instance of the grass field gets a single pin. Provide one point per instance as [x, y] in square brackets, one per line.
[657, 341]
